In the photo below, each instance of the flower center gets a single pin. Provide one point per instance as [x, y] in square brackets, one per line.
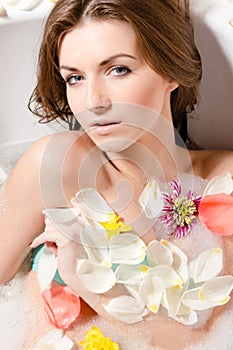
[184, 210]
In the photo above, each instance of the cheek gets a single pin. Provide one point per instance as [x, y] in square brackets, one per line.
[75, 100]
[70, 100]
[150, 97]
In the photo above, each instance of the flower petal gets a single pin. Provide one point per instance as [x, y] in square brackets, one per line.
[187, 319]
[151, 291]
[133, 290]
[47, 267]
[151, 200]
[207, 265]
[64, 343]
[191, 299]
[167, 274]
[96, 278]
[179, 260]
[217, 289]
[158, 254]
[131, 274]
[126, 248]
[54, 339]
[219, 184]
[61, 215]
[172, 299]
[213, 293]
[92, 205]
[49, 338]
[68, 221]
[134, 312]
[216, 211]
[95, 340]
[95, 243]
[62, 306]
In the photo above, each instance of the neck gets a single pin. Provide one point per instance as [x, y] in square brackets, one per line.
[154, 155]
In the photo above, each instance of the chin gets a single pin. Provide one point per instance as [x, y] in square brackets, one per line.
[114, 145]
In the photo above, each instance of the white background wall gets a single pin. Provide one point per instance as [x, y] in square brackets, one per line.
[20, 35]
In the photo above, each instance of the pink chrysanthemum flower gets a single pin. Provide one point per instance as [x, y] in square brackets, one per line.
[179, 211]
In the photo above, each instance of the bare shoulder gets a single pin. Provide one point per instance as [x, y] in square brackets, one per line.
[210, 163]
[59, 158]
[42, 165]
[53, 147]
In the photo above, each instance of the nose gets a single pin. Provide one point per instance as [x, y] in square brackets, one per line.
[97, 99]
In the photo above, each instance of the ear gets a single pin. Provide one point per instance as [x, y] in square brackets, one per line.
[172, 85]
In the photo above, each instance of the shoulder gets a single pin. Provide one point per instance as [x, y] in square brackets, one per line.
[210, 163]
[56, 146]
[39, 172]
[48, 158]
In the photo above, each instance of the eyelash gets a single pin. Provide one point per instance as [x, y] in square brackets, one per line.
[76, 76]
[122, 68]
[73, 76]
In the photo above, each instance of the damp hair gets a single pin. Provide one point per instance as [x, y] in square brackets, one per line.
[165, 36]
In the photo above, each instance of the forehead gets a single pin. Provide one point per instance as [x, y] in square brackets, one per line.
[98, 39]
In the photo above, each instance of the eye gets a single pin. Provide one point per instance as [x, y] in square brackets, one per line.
[120, 71]
[74, 79]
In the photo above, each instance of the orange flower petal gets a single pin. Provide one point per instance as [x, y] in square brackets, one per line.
[61, 305]
[216, 211]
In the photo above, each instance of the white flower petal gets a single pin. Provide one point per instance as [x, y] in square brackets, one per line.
[68, 221]
[207, 265]
[151, 292]
[134, 312]
[172, 299]
[49, 338]
[217, 289]
[133, 289]
[47, 267]
[187, 319]
[196, 299]
[167, 274]
[131, 274]
[126, 248]
[92, 205]
[151, 200]
[95, 243]
[96, 278]
[191, 299]
[158, 254]
[64, 343]
[183, 310]
[62, 215]
[180, 260]
[219, 184]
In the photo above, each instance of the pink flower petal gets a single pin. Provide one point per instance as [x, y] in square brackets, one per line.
[61, 305]
[216, 211]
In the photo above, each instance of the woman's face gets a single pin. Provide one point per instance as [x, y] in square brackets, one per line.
[107, 77]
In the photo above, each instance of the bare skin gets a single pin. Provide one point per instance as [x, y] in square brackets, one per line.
[204, 161]
[57, 166]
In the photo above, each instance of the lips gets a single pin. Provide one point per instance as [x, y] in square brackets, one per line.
[103, 123]
[99, 124]
[104, 127]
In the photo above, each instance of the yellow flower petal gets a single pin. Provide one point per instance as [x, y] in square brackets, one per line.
[95, 340]
[114, 225]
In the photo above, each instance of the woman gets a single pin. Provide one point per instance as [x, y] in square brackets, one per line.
[129, 71]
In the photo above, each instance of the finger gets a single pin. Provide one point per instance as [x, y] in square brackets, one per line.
[47, 236]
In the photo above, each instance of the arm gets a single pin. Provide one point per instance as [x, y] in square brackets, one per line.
[154, 328]
[22, 219]
[40, 179]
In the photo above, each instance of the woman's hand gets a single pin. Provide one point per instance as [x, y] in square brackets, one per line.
[67, 251]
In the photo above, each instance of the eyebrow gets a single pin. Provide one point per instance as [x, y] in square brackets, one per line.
[103, 63]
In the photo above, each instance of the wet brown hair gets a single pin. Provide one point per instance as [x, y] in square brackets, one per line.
[165, 37]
